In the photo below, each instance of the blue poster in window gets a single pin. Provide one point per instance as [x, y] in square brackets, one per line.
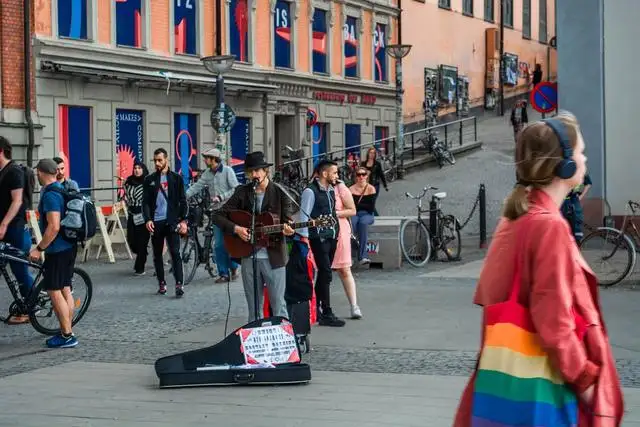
[282, 34]
[129, 23]
[239, 29]
[350, 47]
[240, 141]
[186, 26]
[352, 139]
[379, 52]
[185, 127]
[129, 136]
[72, 19]
[319, 138]
[319, 29]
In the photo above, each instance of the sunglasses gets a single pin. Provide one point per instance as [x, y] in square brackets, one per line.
[361, 174]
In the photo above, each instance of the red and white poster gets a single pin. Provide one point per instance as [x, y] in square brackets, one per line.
[273, 344]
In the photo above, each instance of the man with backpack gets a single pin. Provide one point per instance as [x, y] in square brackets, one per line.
[15, 192]
[59, 260]
[67, 183]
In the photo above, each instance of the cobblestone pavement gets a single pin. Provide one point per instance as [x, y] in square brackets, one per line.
[127, 323]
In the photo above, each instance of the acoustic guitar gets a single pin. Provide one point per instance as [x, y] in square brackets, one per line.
[268, 231]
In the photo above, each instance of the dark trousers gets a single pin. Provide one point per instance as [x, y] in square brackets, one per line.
[161, 232]
[138, 239]
[572, 211]
[323, 252]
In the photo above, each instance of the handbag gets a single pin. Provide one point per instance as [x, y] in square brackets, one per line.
[516, 383]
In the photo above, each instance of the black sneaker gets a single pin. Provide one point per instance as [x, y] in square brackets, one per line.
[179, 290]
[162, 288]
[330, 319]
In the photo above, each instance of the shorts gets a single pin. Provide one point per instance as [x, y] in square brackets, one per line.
[58, 270]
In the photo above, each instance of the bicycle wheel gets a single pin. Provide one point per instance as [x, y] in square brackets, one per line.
[610, 254]
[43, 318]
[190, 254]
[448, 156]
[450, 243]
[415, 242]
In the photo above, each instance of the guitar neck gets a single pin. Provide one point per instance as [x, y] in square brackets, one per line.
[270, 229]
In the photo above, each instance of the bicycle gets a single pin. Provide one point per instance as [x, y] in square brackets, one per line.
[417, 243]
[192, 250]
[621, 241]
[439, 150]
[388, 168]
[38, 303]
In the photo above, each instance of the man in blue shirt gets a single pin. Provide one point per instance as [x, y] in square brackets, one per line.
[59, 260]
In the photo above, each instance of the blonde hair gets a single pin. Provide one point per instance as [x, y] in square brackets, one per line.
[538, 153]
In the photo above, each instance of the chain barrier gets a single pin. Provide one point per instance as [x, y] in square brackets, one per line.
[473, 210]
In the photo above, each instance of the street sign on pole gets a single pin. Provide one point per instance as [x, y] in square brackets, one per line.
[544, 97]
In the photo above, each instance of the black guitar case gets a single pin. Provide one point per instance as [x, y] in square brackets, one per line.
[203, 367]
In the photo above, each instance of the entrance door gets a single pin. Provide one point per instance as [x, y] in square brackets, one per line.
[284, 135]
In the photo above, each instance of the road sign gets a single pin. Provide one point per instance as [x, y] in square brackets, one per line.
[223, 119]
[312, 117]
[544, 97]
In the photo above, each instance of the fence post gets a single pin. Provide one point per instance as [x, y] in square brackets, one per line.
[460, 133]
[433, 218]
[446, 135]
[482, 201]
[413, 146]
[475, 128]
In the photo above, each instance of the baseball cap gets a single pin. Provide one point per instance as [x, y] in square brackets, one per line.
[212, 152]
[48, 166]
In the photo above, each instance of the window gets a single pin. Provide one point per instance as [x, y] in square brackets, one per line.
[445, 4]
[542, 30]
[239, 29]
[351, 47]
[467, 7]
[320, 44]
[73, 19]
[282, 34]
[185, 13]
[380, 53]
[185, 135]
[129, 23]
[526, 19]
[508, 13]
[488, 10]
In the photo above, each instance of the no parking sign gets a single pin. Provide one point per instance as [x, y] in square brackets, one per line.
[544, 97]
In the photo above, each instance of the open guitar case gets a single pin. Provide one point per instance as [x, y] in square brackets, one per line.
[220, 365]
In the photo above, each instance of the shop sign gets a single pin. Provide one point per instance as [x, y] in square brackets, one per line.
[343, 98]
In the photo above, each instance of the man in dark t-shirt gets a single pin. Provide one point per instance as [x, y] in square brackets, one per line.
[13, 217]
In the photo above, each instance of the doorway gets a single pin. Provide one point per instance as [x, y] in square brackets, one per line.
[283, 136]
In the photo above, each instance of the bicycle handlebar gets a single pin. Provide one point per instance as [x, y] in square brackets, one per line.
[424, 193]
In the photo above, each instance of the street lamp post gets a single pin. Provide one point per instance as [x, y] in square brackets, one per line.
[397, 52]
[218, 65]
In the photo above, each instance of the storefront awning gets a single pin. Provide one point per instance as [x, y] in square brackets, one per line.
[83, 68]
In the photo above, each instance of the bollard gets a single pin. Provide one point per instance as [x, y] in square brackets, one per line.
[433, 219]
[482, 201]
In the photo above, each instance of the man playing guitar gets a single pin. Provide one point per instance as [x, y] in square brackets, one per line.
[271, 260]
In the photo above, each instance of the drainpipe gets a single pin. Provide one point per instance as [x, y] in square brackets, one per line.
[27, 81]
[400, 22]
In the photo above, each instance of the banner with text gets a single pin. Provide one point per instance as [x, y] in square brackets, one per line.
[240, 142]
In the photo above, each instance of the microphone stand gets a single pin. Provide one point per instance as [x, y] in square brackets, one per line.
[254, 259]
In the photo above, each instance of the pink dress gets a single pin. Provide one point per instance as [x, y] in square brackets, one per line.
[342, 258]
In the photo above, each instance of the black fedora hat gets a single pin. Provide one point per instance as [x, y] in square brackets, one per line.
[256, 160]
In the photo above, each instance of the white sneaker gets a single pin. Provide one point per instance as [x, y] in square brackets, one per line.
[365, 261]
[355, 312]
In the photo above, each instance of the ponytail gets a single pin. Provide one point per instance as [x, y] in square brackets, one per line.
[517, 204]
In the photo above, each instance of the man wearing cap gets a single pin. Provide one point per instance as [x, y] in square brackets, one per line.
[271, 261]
[222, 182]
[59, 260]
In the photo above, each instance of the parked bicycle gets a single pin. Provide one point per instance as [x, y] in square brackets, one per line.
[415, 240]
[611, 252]
[438, 148]
[38, 303]
[193, 252]
[388, 167]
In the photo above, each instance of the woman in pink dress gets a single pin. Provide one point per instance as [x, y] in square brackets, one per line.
[345, 209]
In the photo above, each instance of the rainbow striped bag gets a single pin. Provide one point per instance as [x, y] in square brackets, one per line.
[516, 384]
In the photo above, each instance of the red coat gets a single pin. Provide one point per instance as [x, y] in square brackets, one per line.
[562, 295]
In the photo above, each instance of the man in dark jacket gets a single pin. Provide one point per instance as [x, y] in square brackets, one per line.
[165, 211]
[271, 260]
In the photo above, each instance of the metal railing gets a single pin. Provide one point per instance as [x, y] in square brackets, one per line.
[458, 131]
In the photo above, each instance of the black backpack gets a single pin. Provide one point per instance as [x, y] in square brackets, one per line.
[79, 221]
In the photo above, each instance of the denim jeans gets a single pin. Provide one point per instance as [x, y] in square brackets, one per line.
[220, 255]
[19, 237]
[360, 223]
